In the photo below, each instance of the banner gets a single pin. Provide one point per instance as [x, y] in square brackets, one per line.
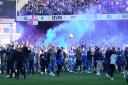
[74, 17]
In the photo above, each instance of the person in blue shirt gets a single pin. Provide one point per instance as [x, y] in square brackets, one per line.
[59, 61]
[52, 61]
[31, 56]
[72, 60]
[120, 60]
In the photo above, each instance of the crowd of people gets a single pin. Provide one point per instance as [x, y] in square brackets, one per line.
[26, 59]
[35, 37]
[72, 7]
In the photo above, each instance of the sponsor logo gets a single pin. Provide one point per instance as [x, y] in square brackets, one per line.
[56, 17]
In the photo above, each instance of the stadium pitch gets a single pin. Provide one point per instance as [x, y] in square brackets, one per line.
[64, 79]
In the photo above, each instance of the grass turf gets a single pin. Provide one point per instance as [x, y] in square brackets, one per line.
[64, 79]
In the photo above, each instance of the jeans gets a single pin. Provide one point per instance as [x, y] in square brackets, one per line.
[72, 64]
[52, 66]
[89, 65]
[31, 67]
[99, 66]
[3, 67]
[106, 66]
[84, 65]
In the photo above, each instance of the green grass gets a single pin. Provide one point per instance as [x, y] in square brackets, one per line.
[64, 79]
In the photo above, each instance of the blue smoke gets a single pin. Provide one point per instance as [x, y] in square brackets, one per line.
[60, 34]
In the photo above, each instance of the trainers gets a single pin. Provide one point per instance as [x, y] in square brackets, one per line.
[111, 78]
[98, 74]
[53, 74]
[13, 75]
[124, 76]
[50, 74]
[71, 71]
[89, 72]
[107, 75]
[41, 73]
[7, 76]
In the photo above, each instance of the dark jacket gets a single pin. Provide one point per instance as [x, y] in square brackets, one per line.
[78, 54]
[98, 55]
[89, 55]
